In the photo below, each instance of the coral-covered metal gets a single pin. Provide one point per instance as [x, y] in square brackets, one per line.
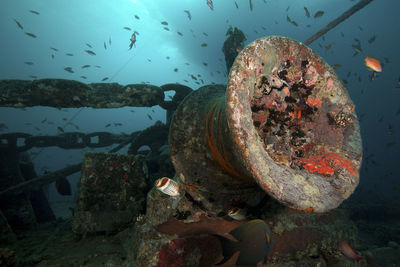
[285, 121]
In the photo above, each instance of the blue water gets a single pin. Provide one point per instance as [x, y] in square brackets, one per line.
[69, 25]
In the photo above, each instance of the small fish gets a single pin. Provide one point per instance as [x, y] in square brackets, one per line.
[117, 124]
[237, 214]
[127, 28]
[236, 5]
[30, 34]
[210, 4]
[193, 77]
[28, 63]
[294, 23]
[105, 46]
[107, 125]
[18, 24]
[60, 129]
[372, 39]
[167, 57]
[348, 251]
[205, 63]
[357, 48]
[386, 60]
[137, 17]
[179, 33]
[168, 186]
[390, 129]
[97, 66]
[371, 77]
[69, 54]
[90, 52]
[205, 34]
[33, 76]
[54, 49]
[288, 19]
[329, 46]
[104, 79]
[253, 239]
[203, 45]
[176, 69]
[69, 69]
[148, 115]
[89, 45]
[166, 28]
[188, 14]
[335, 66]
[85, 66]
[307, 12]
[83, 77]
[34, 12]
[319, 14]
[63, 186]
[109, 40]
[361, 28]
[133, 40]
[373, 64]
[164, 23]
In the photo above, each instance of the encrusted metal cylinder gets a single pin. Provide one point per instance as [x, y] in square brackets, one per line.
[285, 122]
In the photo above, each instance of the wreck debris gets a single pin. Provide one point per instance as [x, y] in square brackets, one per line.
[110, 192]
[233, 45]
[301, 129]
[62, 93]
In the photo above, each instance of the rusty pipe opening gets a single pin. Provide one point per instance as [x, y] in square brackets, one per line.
[285, 122]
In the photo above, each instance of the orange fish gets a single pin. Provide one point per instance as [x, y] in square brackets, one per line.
[348, 251]
[373, 64]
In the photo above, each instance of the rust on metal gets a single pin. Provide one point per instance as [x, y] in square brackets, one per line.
[285, 121]
[305, 143]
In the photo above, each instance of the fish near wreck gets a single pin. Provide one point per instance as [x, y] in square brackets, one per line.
[210, 4]
[90, 52]
[168, 186]
[133, 40]
[348, 251]
[254, 241]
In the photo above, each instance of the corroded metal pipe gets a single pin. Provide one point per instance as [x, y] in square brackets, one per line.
[285, 122]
